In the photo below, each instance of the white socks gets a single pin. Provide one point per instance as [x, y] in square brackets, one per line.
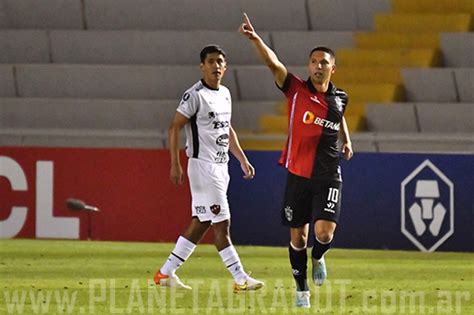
[185, 248]
[178, 256]
[232, 262]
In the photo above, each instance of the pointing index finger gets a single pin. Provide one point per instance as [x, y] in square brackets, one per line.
[246, 18]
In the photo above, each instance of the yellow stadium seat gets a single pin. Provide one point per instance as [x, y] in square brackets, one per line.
[374, 92]
[433, 6]
[355, 109]
[389, 57]
[282, 108]
[274, 123]
[423, 23]
[347, 74]
[396, 40]
[355, 123]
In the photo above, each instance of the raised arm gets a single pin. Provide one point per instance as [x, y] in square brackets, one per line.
[236, 150]
[267, 55]
[346, 140]
[176, 171]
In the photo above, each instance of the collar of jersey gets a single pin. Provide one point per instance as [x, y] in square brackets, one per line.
[205, 84]
[331, 87]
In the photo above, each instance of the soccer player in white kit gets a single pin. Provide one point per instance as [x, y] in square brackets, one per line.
[205, 113]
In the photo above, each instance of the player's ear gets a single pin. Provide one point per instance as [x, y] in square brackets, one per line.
[333, 68]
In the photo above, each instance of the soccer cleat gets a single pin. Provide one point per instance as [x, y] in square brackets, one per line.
[250, 284]
[319, 271]
[302, 299]
[169, 281]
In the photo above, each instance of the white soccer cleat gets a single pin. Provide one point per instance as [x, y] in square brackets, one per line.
[302, 299]
[170, 281]
[319, 271]
[250, 284]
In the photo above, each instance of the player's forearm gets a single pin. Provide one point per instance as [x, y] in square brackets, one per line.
[173, 137]
[267, 55]
[235, 148]
[345, 131]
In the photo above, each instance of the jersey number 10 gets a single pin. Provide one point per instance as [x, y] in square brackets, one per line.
[333, 195]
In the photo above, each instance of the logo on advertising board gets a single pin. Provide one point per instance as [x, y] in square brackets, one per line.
[47, 225]
[427, 207]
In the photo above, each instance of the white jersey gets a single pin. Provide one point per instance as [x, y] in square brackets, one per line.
[207, 133]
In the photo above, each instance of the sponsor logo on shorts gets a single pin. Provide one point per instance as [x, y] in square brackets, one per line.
[330, 207]
[288, 213]
[200, 209]
[215, 209]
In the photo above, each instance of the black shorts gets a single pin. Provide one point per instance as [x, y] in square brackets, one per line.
[304, 196]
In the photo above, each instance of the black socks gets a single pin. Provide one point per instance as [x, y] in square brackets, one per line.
[298, 260]
[319, 249]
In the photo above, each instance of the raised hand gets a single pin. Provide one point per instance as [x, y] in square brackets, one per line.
[247, 29]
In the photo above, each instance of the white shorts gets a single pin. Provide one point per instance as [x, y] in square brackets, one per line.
[209, 183]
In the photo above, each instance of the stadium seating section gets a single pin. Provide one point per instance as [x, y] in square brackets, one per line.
[110, 73]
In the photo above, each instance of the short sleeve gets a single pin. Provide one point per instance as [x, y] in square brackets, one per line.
[290, 85]
[189, 104]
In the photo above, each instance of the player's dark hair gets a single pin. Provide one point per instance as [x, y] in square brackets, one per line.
[209, 49]
[324, 49]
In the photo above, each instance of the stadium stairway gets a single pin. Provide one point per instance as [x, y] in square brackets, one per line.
[418, 27]
[371, 72]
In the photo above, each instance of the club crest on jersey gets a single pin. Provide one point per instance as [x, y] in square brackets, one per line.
[215, 209]
[211, 115]
[288, 213]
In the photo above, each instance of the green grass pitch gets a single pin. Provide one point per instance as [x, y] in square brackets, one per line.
[81, 277]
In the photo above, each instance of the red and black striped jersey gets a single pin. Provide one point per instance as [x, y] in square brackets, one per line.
[315, 118]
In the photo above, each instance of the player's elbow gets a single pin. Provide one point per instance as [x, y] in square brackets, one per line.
[275, 67]
[173, 128]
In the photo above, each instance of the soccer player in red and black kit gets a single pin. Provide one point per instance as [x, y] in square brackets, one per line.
[311, 155]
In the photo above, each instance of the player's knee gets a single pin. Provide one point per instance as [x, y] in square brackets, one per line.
[324, 236]
[221, 240]
[300, 242]
[221, 233]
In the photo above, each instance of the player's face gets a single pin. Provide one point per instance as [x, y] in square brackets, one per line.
[213, 67]
[321, 66]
